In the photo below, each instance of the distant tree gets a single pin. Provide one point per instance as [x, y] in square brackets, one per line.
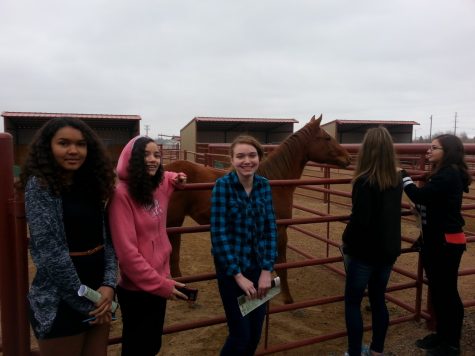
[463, 136]
[421, 139]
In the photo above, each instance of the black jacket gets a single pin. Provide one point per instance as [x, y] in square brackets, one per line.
[373, 233]
[439, 202]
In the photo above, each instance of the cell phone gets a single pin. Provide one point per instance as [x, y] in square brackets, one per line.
[191, 293]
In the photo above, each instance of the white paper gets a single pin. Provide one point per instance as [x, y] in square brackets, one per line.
[94, 296]
[248, 305]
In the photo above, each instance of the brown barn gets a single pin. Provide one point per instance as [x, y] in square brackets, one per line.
[203, 131]
[115, 130]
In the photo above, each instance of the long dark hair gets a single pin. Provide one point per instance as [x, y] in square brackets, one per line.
[140, 184]
[454, 156]
[96, 174]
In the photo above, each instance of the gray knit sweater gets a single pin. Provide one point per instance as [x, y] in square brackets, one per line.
[56, 278]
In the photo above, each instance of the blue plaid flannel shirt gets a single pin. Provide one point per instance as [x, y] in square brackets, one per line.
[242, 226]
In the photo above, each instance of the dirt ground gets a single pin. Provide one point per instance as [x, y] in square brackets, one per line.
[305, 283]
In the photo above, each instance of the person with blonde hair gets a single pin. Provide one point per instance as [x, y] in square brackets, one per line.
[372, 238]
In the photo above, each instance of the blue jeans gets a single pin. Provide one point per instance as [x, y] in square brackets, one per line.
[359, 275]
[244, 332]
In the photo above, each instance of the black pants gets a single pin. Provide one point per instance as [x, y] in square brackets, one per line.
[244, 332]
[441, 265]
[143, 315]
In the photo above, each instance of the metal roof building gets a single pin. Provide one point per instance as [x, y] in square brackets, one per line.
[114, 130]
[207, 130]
[353, 131]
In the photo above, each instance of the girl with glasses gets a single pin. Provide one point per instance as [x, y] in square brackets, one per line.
[439, 203]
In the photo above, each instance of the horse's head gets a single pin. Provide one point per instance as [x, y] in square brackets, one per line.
[324, 148]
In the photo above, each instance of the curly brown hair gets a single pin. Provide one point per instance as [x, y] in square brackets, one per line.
[96, 174]
[140, 184]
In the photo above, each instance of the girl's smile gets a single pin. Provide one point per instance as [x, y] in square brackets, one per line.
[69, 148]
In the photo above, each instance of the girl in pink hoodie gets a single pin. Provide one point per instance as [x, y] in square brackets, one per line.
[137, 216]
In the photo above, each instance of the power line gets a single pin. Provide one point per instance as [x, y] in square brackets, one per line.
[455, 124]
[430, 131]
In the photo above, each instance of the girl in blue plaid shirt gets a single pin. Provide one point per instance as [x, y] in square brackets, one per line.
[244, 243]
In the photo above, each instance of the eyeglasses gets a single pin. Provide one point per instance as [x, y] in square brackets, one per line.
[433, 148]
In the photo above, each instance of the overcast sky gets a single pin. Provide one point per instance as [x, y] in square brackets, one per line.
[170, 61]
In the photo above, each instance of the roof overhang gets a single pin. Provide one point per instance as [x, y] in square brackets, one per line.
[243, 124]
[26, 120]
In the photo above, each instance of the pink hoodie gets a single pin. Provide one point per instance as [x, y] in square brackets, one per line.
[139, 235]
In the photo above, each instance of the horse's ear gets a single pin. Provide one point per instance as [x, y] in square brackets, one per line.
[319, 120]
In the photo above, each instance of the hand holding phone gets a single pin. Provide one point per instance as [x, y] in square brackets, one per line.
[191, 293]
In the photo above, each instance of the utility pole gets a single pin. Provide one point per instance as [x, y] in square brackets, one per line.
[455, 124]
[147, 128]
[430, 130]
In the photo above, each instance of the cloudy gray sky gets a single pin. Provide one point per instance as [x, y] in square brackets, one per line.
[170, 61]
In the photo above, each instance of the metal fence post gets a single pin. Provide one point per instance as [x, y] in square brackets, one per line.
[15, 330]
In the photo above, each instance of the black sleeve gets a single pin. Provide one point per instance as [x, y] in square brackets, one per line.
[438, 184]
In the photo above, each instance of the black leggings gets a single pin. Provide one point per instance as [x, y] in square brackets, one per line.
[143, 315]
[441, 266]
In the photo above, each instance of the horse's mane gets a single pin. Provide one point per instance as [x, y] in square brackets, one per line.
[282, 161]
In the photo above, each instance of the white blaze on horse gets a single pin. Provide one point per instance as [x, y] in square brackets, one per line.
[287, 161]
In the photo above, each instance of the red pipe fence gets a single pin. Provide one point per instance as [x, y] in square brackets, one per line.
[14, 254]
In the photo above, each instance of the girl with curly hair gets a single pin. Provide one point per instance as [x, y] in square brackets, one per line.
[138, 215]
[67, 178]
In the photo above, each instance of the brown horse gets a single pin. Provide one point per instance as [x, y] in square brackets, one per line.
[310, 143]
